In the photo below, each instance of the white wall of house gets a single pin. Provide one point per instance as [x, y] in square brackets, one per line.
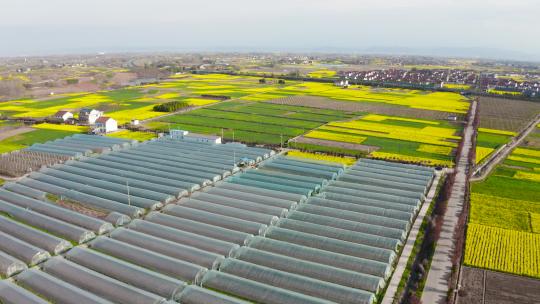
[93, 116]
[66, 116]
[110, 125]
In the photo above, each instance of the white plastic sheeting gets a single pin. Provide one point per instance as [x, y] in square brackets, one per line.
[128, 273]
[10, 293]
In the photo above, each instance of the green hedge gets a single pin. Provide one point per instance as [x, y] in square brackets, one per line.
[172, 106]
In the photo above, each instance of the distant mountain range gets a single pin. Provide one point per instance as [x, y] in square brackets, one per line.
[468, 52]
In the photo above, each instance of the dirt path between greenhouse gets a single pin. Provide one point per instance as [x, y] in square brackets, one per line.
[393, 285]
[483, 171]
[436, 288]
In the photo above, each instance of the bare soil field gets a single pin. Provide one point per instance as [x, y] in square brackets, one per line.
[506, 114]
[329, 143]
[479, 286]
[83, 86]
[352, 106]
[123, 78]
[7, 132]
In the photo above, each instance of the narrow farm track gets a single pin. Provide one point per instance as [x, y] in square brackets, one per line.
[436, 288]
[6, 133]
[390, 294]
[483, 171]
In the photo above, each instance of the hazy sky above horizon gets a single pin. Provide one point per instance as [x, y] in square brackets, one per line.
[33, 27]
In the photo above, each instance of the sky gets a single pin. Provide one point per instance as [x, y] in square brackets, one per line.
[508, 28]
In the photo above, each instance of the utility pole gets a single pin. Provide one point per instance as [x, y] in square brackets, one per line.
[129, 198]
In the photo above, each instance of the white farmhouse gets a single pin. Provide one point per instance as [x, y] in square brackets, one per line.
[63, 115]
[89, 116]
[105, 125]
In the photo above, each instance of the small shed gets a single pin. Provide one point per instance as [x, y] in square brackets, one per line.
[63, 115]
[212, 139]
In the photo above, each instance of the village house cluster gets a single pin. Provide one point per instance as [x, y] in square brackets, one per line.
[91, 117]
[527, 85]
[422, 77]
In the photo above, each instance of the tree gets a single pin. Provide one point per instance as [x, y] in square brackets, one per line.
[262, 80]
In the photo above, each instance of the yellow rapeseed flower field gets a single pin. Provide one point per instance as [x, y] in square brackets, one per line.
[498, 132]
[141, 113]
[411, 159]
[137, 135]
[456, 86]
[535, 177]
[435, 149]
[336, 137]
[200, 101]
[378, 117]
[503, 250]
[426, 135]
[317, 156]
[482, 152]
[524, 159]
[168, 96]
[527, 152]
[58, 127]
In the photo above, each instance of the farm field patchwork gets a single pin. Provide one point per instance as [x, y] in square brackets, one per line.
[489, 140]
[436, 101]
[138, 101]
[251, 122]
[398, 138]
[504, 227]
[369, 107]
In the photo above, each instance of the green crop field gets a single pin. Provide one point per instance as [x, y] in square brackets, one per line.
[24, 140]
[251, 122]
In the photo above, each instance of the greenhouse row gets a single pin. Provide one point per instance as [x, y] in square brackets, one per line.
[289, 231]
[79, 145]
[140, 177]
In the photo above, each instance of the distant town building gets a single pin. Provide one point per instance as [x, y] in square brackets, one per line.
[341, 83]
[134, 122]
[105, 125]
[63, 115]
[89, 116]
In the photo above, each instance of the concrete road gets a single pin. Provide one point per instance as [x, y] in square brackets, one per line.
[436, 287]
